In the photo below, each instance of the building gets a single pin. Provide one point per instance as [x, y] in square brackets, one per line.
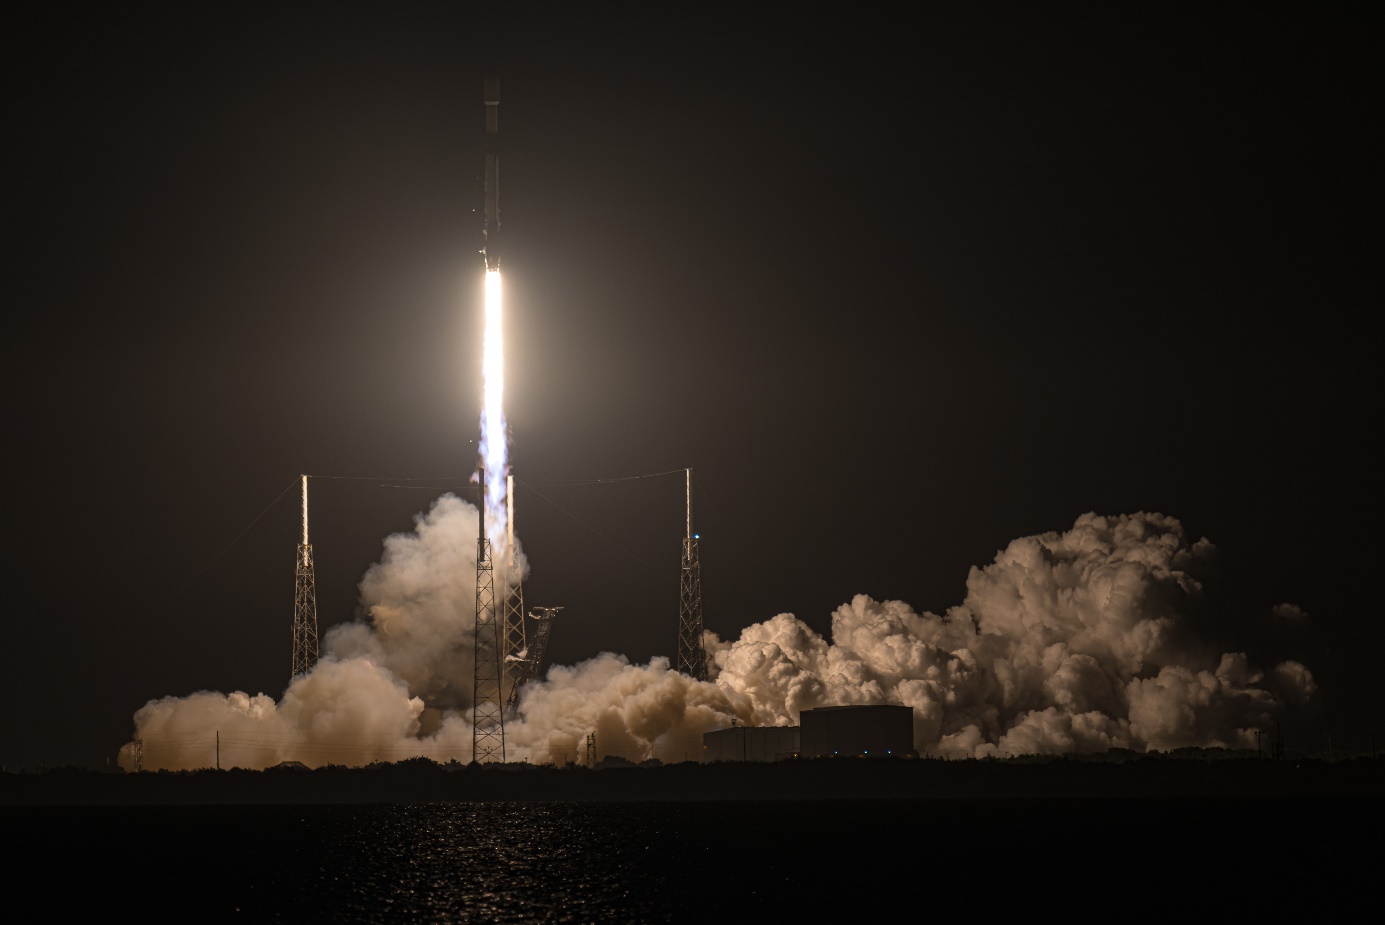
[750, 743]
[873, 730]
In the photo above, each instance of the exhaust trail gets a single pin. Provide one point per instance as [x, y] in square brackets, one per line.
[494, 451]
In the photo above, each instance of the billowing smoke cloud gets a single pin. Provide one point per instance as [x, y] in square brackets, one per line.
[1068, 642]
[1289, 611]
[421, 602]
[395, 685]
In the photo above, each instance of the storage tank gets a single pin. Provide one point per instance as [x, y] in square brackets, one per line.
[870, 731]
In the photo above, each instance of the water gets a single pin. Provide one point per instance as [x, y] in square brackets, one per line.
[816, 861]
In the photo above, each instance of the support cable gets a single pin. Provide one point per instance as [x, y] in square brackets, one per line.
[227, 548]
[626, 478]
[589, 526]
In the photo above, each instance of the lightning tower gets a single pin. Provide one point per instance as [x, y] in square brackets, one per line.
[487, 717]
[692, 658]
[304, 602]
[516, 646]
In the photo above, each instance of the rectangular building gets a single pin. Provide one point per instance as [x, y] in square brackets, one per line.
[867, 730]
[750, 743]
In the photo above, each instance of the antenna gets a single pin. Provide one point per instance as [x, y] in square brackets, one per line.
[692, 658]
[305, 651]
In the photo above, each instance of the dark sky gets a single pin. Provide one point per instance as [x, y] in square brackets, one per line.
[901, 287]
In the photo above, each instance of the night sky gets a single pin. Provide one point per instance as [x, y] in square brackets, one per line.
[899, 286]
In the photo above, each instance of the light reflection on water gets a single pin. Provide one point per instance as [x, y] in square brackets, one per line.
[457, 862]
[638, 862]
[474, 862]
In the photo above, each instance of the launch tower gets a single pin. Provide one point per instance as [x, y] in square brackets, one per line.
[487, 717]
[304, 602]
[516, 646]
[528, 667]
[692, 658]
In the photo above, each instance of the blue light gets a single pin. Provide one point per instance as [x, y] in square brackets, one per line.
[697, 536]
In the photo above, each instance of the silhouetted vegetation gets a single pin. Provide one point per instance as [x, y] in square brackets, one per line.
[1188, 772]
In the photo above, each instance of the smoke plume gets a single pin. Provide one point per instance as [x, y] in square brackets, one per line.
[1068, 642]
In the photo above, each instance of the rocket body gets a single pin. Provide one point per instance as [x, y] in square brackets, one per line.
[491, 230]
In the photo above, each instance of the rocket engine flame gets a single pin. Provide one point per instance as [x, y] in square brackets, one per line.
[494, 452]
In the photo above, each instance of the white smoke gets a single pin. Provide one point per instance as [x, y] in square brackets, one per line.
[421, 602]
[1068, 642]
[637, 711]
[1288, 611]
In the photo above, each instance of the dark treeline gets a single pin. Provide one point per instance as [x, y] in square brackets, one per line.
[422, 780]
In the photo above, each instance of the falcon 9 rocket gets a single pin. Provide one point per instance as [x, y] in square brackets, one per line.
[491, 230]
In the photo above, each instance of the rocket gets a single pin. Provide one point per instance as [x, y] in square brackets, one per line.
[490, 234]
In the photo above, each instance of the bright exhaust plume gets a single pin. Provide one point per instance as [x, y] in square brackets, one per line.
[493, 437]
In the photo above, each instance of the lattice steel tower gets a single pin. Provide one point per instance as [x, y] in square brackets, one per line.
[304, 602]
[514, 644]
[528, 668]
[692, 658]
[487, 715]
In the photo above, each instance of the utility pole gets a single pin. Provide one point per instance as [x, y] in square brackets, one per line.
[692, 658]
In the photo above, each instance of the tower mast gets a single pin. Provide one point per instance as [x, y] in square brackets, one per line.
[487, 717]
[304, 602]
[692, 658]
[515, 643]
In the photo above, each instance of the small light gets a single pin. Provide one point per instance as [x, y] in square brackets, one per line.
[697, 536]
